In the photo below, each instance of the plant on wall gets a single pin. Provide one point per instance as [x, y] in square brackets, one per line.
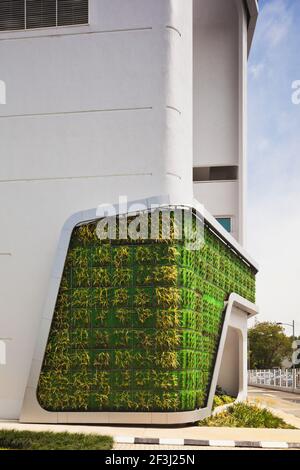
[121, 277]
[144, 314]
[137, 322]
[121, 297]
[123, 359]
[142, 298]
[101, 317]
[123, 315]
[101, 338]
[121, 256]
[102, 360]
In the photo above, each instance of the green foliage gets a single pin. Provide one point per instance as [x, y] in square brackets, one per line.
[123, 359]
[121, 255]
[220, 400]
[100, 277]
[144, 254]
[102, 360]
[101, 316]
[167, 297]
[165, 275]
[101, 339]
[137, 323]
[168, 339]
[142, 298]
[27, 440]
[121, 297]
[165, 380]
[145, 339]
[100, 256]
[245, 415]
[121, 277]
[123, 315]
[122, 338]
[103, 299]
[166, 319]
[167, 360]
[80, 338]
[82, 359]
[81, 317]
[144, 314]
[268, 345]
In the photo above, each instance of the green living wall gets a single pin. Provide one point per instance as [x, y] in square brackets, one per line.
[137, 324]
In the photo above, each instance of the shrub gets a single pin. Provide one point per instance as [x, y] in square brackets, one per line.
[245, 415]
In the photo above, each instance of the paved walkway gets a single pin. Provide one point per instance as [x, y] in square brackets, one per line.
[283, 404]
[174, 433]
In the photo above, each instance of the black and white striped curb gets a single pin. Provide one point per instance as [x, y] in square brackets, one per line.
[207, 443]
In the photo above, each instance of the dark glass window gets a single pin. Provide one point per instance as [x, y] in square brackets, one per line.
[215, 173]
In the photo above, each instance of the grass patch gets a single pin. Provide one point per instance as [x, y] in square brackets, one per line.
[245, 415]
[27, 440]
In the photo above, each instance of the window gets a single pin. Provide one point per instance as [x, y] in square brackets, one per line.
[215, 173]
[226, 223]
[30, 14]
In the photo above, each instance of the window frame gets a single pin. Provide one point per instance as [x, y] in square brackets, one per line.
[46, 28]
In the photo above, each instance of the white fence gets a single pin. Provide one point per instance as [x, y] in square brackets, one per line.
[282, 379]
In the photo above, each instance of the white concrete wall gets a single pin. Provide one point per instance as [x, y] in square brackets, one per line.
[220, 68]
[233, 370]
[221, 199]
[103, 110]
[92, 112]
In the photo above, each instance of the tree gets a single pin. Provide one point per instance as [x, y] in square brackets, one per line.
[268, 345]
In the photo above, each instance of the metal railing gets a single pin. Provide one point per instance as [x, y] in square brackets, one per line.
[282, 379]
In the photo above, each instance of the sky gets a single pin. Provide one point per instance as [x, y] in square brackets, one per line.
[274, 160]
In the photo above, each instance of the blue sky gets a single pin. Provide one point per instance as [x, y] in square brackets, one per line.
[274, 160]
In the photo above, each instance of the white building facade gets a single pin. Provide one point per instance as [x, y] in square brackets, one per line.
[107, 98]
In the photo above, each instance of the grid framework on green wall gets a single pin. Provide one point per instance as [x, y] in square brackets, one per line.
[137, 324]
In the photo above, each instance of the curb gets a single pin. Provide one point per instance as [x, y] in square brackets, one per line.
[207, 443]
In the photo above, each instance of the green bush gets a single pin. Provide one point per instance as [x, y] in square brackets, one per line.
[245, 415]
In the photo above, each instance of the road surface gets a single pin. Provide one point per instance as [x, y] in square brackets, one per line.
[282, 401]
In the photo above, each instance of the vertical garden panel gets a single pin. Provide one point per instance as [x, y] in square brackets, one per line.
[137, 323]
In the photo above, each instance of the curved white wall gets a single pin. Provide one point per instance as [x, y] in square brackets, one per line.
[92, 112]
[103, 110]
